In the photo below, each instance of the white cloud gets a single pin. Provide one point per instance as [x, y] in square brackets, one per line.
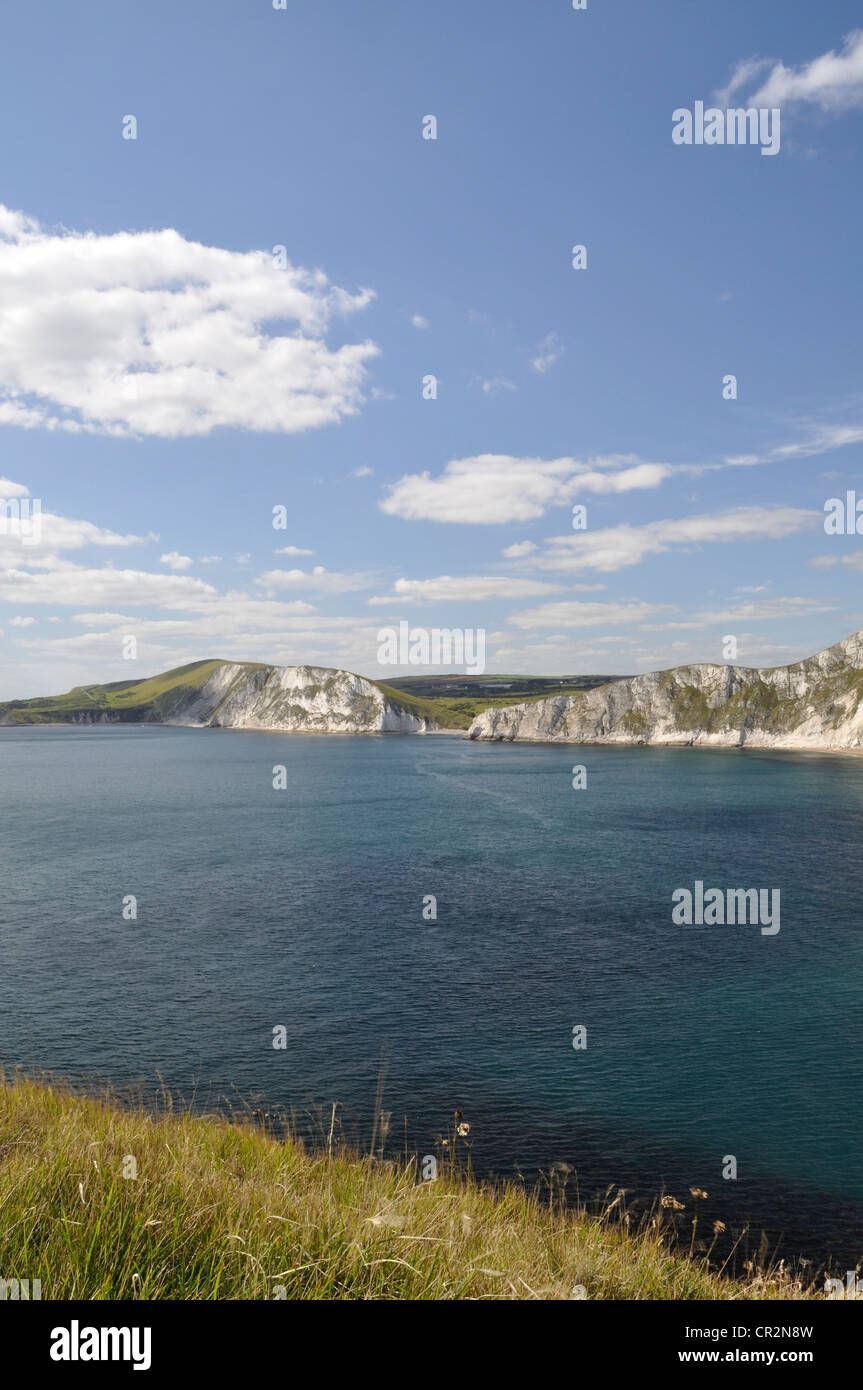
[548, 353]
[293, 550]
[61, 533]
[420, 321]
[852, 561]
[100, 619]
[141, 333]
[769, 609]
[821, 439]
[9, 489]
[31, 536]
[575, 613]
[619, 546]
[363, 471]
[210, 560]
[319, 580]
[519, 550]
[833, 81]
[744, 75]
[564, 654]
[496, 385]
[21, 622]
[467, 588]
[490, 489]
[75, 584]
[175, 561]
[640, 475]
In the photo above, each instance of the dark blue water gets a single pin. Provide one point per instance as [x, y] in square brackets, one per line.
[303, 907]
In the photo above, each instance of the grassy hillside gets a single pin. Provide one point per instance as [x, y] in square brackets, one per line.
[126, 700]
[445, 713]
[143, 700]
[220, 1211]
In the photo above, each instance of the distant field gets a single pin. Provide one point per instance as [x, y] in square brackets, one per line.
[454, 701]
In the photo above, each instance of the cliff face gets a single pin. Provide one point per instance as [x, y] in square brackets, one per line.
[231, 695]
[814, 703]
[310, 699]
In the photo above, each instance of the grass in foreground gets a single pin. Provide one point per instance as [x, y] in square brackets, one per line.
[220, 1211]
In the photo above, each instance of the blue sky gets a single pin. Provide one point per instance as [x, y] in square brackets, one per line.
[301, 387]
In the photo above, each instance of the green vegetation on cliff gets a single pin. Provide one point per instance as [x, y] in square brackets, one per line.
[450, 702]
[444, 713]
[127, 701]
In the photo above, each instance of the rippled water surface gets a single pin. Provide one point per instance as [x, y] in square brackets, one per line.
[303, 907]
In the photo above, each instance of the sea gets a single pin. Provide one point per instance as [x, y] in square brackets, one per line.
[358, 935]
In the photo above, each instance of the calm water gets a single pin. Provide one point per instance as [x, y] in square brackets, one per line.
[303, 907]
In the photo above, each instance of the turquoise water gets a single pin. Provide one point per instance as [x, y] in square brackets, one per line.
[303, 908]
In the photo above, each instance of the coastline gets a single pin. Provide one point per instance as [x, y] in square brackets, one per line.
[717, 747]
[462, 734]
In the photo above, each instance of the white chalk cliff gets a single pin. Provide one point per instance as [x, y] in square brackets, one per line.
[814, 703]
[234, 695]
[307, 699]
